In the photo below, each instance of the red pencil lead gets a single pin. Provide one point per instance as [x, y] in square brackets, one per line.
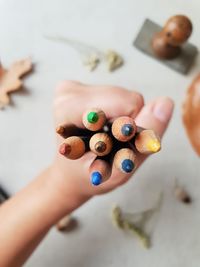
[65, 149]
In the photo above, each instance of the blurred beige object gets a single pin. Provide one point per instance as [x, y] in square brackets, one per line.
[10, 79]
[67, 224]
[114, 60]
[181, 193]
[191, 114]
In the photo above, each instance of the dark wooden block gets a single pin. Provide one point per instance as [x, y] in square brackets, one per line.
[3, 195]
[143, 41]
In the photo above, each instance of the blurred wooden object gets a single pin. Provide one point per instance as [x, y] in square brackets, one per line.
[191, 114]
[10, 79]
[167, 43]
[152, 37]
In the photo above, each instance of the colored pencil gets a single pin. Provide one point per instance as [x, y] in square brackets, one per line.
[101, 144]
[100, 171]
[94, 119]
[74, 147]
[124, 128]
[71, 130]
[125, 160]
[147, 142]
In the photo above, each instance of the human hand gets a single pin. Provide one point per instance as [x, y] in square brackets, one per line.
[65, 185]
[72, 100]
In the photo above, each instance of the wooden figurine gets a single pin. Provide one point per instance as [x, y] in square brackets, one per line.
[167, 43]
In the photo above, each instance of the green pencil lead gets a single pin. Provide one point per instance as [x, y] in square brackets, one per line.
[92, 117]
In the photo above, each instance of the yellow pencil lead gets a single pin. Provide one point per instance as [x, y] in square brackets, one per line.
[154, 145]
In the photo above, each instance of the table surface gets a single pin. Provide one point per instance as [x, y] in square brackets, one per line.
[103, 24]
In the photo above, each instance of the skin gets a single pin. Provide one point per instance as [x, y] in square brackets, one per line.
[61, 188]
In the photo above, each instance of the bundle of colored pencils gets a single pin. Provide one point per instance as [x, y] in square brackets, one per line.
[116, 143]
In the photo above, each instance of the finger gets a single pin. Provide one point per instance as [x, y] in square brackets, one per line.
[118, 177]
[67, 86]
[73, 99]
[117, 101]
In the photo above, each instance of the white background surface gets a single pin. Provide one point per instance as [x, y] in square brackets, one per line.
[27, 134]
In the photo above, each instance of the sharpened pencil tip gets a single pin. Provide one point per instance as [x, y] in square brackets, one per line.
[65, 149]
[92, 117]
[96, 178]
[127, 129]
[100, 147]
[60, 129]
[127, 165]
[154, 145]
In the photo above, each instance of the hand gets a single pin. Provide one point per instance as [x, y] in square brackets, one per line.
[72, 99]
[65, 185]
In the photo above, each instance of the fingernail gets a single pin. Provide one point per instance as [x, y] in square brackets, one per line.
[163, 109]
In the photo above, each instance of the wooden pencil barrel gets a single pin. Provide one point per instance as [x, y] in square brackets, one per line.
[124, 128]
[147, 142]
[100, 171]
[73, 147]
[94, 119]
[101, 144]
[125, 160]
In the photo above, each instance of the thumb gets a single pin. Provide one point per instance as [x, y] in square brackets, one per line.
[156, 115]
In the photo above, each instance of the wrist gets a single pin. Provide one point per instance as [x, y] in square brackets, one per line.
[61, 192]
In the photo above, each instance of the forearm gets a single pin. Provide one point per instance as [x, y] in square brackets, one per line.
[28, 216]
